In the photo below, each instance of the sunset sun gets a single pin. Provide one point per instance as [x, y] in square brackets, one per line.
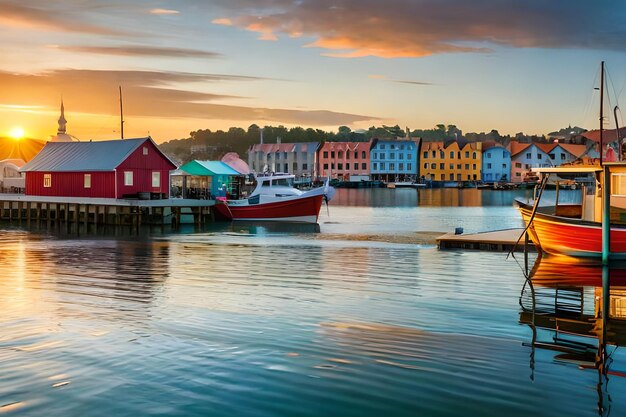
[17, 133]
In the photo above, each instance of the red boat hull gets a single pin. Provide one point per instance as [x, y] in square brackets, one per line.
[571, 237]
[303, 210]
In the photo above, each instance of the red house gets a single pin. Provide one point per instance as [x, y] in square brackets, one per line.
[104, 169]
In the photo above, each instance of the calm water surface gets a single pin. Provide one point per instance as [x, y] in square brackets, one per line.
[265, 321]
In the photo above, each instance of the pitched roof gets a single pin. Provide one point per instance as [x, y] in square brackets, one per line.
[83, 156]
[576, 150]
[608, 135]
[517, 147]
[209, 168]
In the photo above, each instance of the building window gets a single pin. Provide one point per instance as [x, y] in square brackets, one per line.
[347, 154]
[425, 154]
[325, 154]
[332, 165]
[518, 174]
[326, 166]
[156, 179]
[488, 156]
[504, 154]
[284, 155]
[562, 157]
[363, 165]
[400, 156]
[87, 180]
[528, 155]
[443, 177]
[392, 167]
[356, 154]
[474, 176]
[286, 167]
[348, 166]
[539, 156]
[473, 166]
[340, 166]
[401, 146]
[467, 154]
[504, 166]
[434, 154]
[340, 154]
[392, 155]
[305, 166]
[451, 177]
[375, 166]
[128, 178]
[518, 165]
[451, 166]
[474, 157]
[426, 165]
[408, 167]
[381, 155]
[451, 154]
[467, 167]
[332, 154]
[442, 166]
[458, 166]
[382, 166]
[382, 146]
[488, 166]
[441, 154]
[401, 167]
[552, 156]
[145, 150]
[433, 166]
[47, 180]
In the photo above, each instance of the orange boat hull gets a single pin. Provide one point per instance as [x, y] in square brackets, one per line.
[571, 237]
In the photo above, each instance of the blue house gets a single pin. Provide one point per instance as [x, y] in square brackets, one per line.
[394, 160]
[496, 163]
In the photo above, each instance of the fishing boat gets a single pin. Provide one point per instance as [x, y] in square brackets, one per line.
[593, 228]
[276, 199]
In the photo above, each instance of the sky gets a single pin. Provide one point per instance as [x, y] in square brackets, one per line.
[185, 65]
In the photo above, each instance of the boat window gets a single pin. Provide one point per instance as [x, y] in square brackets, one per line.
[618, 185]
[287, 182]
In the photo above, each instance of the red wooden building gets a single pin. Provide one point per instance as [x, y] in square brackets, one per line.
[103, 169]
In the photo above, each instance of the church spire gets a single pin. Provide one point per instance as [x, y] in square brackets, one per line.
[62, 121]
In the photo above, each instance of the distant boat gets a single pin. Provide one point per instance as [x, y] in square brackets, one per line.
[275, 199]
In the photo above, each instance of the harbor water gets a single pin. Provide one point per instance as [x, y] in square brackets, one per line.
[275, 320]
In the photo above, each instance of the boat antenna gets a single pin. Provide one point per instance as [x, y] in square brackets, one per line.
[121, 114]
[601, 109]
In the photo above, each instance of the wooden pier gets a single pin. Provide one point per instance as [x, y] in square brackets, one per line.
[103, 211]
[498, 241]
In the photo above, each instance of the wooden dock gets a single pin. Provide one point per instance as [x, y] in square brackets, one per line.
[103, 211]
[497, 241]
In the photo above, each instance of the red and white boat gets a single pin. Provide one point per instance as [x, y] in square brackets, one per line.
[576, 229]
[275, 199]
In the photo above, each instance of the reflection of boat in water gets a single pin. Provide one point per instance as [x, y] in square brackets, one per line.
[275, 199]
[576, 309]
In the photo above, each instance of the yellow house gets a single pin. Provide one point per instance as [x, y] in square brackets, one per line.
[453, 162]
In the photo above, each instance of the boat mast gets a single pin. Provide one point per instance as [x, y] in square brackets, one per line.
[601, 109]
[121, 114]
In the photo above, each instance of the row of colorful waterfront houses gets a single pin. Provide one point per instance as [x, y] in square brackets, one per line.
[404, 159]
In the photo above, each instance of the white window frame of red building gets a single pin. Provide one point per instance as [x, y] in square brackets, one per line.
[156, 179]
[47, 180]
[87, 181]
[128, 178]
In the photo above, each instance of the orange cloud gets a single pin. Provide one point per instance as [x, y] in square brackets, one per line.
[140, 50]
[164, 11]
[150, 94]
[418, 28]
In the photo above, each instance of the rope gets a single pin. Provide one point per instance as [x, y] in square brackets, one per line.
[544, 181]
